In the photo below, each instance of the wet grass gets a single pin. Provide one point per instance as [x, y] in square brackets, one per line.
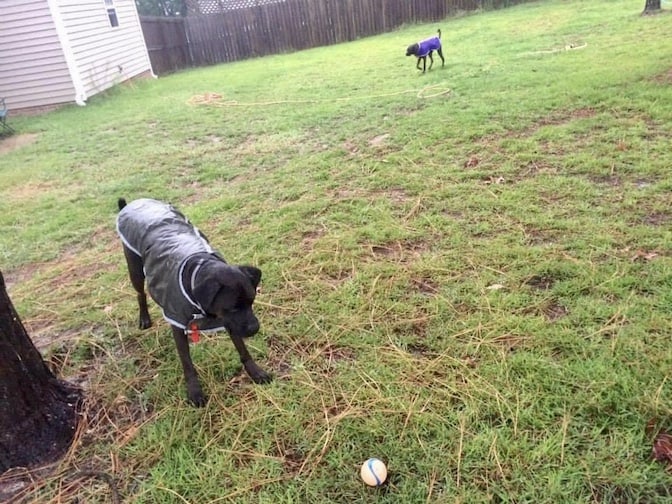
[467, 273]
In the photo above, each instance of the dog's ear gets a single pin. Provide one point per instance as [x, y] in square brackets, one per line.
[254, 274]
[206, 292]
[211, 278]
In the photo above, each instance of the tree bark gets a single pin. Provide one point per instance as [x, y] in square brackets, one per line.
[38, 412]
[651, 7]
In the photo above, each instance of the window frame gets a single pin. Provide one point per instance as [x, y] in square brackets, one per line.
[111, 10]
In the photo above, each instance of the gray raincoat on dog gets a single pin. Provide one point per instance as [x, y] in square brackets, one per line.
[164, 238]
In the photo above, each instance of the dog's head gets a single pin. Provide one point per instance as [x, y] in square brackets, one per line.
[227, 292]
[412, 50]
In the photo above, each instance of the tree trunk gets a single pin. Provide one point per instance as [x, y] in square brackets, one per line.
[651, 6]
[38, 412]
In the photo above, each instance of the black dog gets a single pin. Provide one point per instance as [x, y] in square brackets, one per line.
[195, 288]
[425, 48]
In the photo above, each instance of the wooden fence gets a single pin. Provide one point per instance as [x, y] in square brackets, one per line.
[284, 26]
[166, 41]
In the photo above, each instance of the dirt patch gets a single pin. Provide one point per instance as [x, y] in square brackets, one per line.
[541, 282]
[657, 219]
[606, 180]
[416, 328]
[553, 311]
[419, 349]
[345, 193]
[335, 353]
[400, 251]
[15, 142]
[394, 194]
[425, 286]
[664, 78]
[567, 116]
[542, 236]
[30, 191]
[537, 167]
[310, 237]
[379, 140]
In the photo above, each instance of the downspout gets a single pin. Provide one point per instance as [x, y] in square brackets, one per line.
[80, 92]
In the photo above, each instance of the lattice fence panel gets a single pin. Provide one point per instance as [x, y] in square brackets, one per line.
[200, 7]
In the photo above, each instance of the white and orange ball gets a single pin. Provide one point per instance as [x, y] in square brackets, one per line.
[373, 472]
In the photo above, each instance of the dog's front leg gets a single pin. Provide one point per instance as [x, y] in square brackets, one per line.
[257, 374]
[194, 391]
[144, 320]
[418, 63]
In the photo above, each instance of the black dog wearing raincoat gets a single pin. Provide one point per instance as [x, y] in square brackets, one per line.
[195, 288]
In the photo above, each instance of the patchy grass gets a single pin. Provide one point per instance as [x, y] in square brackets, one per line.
[467, 273]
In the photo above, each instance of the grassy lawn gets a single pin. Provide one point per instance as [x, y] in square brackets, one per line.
[467, 273]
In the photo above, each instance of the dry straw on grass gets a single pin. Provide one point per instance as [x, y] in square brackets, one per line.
[216, 99]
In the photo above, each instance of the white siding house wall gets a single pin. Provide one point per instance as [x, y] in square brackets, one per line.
[104, 55]
[63, 51]
[33, 69]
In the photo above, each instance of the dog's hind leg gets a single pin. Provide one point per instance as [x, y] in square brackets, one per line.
[440, 53]
[194, 390]
[257, 374]
[431, 60]
[137, 275]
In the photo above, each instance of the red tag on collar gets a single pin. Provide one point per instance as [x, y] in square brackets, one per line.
[194, 332]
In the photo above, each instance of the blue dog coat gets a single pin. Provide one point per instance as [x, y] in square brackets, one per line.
[428, 45]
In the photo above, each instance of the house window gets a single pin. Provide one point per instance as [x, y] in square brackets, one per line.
[112, 13]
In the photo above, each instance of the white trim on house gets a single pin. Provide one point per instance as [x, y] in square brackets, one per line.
[80, 93]
[136, 19]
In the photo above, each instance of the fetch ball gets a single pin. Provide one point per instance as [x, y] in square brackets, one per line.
[373, 472]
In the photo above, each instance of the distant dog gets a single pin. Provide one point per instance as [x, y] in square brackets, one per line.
[195, 288]
[425, 48]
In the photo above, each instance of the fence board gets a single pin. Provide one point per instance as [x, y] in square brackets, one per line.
[166, 42]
